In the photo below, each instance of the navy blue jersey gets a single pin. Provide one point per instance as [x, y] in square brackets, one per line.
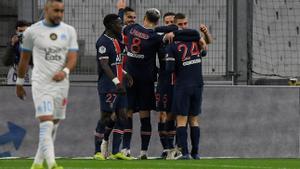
[164, 77]
[184, 58]
[109, 48]
[186, 35]
[142, 46]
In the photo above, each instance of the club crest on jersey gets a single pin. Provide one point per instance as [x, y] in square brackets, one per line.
[102, 49]
[53, 36]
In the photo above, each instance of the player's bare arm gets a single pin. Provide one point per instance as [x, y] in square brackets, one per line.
[128, 78]
[203, 44]
[121, 4]
[70, 65]
[25, 57]
[105, 66]
[207, 36]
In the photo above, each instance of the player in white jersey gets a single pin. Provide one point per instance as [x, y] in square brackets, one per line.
[53, 45]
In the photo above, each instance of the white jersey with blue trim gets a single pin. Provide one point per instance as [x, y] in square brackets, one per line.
[49, 46]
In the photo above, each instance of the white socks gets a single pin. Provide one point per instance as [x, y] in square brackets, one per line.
[46, 146]
[39, 157]
[54, 131]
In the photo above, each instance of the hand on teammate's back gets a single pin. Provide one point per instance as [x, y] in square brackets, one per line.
[169, 37]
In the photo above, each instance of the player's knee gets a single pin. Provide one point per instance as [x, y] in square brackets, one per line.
[45, 118]
[162, 117]
[193, 121]
[122, 115]
[105, 117]
[181, 121]
[144, 114]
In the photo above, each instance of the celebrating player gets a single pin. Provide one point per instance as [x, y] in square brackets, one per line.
[184, 58]
[111, 88]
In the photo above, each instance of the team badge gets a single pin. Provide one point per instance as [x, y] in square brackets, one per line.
[102, 49]
[53, 36]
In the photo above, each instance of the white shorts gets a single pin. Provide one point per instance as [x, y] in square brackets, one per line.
[50, 100]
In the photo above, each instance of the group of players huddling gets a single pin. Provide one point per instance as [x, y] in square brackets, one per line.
[126, 58]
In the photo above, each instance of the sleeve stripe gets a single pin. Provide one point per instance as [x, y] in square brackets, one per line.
[170, 59]
[103, 57]
[73, 49]
[26, 50]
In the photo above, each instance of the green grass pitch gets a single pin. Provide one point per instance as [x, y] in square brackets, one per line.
[163, 164]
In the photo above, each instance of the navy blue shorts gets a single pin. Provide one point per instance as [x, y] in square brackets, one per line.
[111, 102]
[141, 96]
[187, 101]
[164, 95]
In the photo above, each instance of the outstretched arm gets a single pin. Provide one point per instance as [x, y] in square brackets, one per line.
[187, 35]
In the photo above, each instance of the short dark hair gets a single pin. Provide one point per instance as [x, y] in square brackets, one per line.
[22, 23]
[169, 14]
[128, 9]
[179, 16]
[109, 19]
[153, 15]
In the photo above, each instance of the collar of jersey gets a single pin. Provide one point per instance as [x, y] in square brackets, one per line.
[48, 25]
[109, 37]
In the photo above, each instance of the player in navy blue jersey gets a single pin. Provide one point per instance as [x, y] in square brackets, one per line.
[163, 96]
[127, 16]
[111, 88]
[185, 60]
[143, 44]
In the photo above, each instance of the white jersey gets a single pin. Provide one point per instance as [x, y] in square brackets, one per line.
[49, 46]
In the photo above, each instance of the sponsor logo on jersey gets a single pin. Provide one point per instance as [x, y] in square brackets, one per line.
[53, 36]
[54, 54]
[133, 55]
[191, 62]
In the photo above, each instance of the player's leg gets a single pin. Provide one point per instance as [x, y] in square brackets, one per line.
[174, 151]
[44, 105]
[127, 134]
[55, 128]
[181, 107]
[163, 133]
[99, 135]
[170, 119]
[195, 136]
[131, 99]
[194, 121]
[145, 132]
[118, 130]
[109, 125]
[181, 131]
[146, 102]
[161, 101]
[107, 120]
